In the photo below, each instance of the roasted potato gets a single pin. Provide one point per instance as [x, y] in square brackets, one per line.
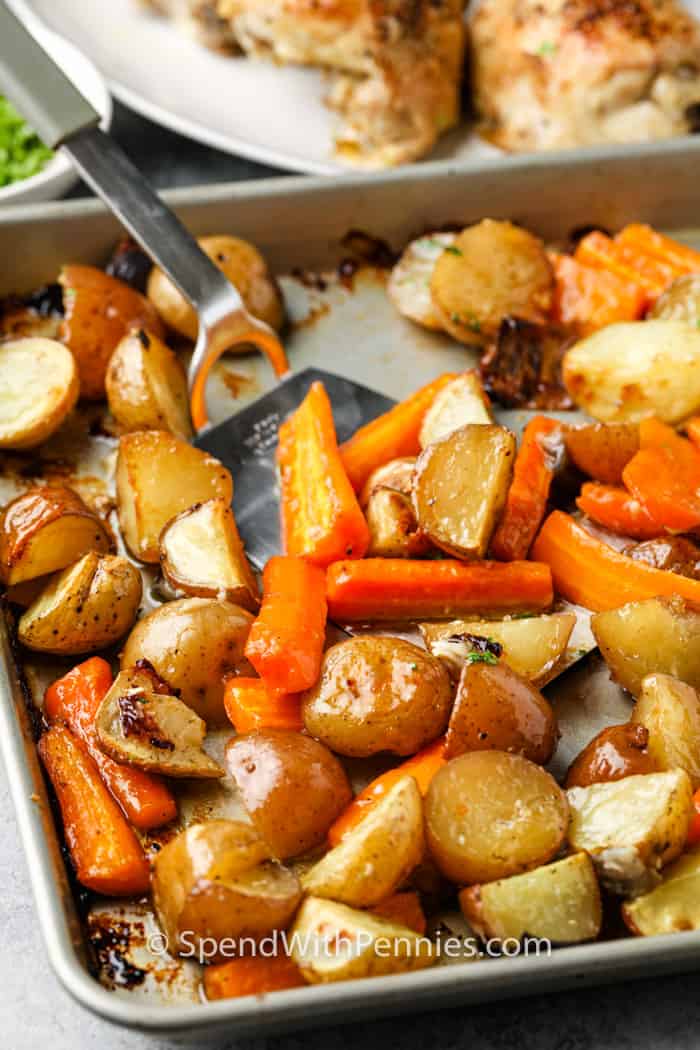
[159, 476]
[377, 694]
[632, 827]
[192, 643]
[625, 372]
[331, 942]
[38, 388]
[409, 282]
[213, 882]
[672, 905]
[147, 387]
[99, 311]
[397, 475]
[139, 725]
[46, 529]
[657, 635]
[244, 267]
[680, 301]
[462, 401]
[533, 646]
[490, 815]
[201, 553]
[292, 787]
[558, 902]
[377, 855]
[85, 607]
[602, 450]
[498, 710]
[670, 553]
[460, 487]
[393, 528]
[670, 712]
[493, 270]
[613, 753]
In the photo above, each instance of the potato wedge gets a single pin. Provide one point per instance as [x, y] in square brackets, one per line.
[331, 942]
[532, 646]
[460, 487]
[377, 855]
[672, 905]
[46, 529]
[86, 607]
[409, 282]
[38, 388]
[396, 475]
[393, 528]
[462, 401]
[99, 311]
[245, 268]
[193, 643]
[657, 635]
[142, 727]
[201, 553]
[147, 387]
[680, 301]
[559, 902]
[632, 827]
[670, 712]
[625, 372]
[493, 270]
[602, 450]
[159, 476]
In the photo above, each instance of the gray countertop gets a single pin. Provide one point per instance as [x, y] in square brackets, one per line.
[36, 1012]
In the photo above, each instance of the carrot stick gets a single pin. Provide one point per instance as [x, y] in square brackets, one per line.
[613, 508]
[251, 975]
[422, 766]
[74, 699]
[286, 640]
[644, 239]
[321, 518]
[665, 476]
[693, 430]
[251, 704]
[593, 298]
[391, 435]
[650, 274]
[590, 573]
[529, 491]
[403, 908]
[105, 852]
[400, 589]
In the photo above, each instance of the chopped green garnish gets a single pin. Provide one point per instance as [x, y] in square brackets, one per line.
[453, 249]
[471, 321]
[22, 153]
[697, 323]
[481, 658]
[547, 48]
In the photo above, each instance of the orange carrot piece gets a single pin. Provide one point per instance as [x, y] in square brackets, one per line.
[529, 491]
[422, 766]
[74, 699]
[693, 431]
[665, 476]
[612, 507]
[391, 435]
[321, 518]
[251, 704]
[591, 573]
[652, 275]
[400, 589]
[593, 298]
[645, 239]
[105, 851]
[285, 644]
[403, 908]
[251, 975]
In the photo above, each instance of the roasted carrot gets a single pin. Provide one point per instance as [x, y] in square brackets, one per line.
[74, 699]
[403, 908]
[665, 476]
[592, 298]
[529, 491]
[104, 849]
[321, 518]
[390, 436]
[650, 274]
[400, 589]
[646, 240]
[286, 640]
[591, 573]
[614, 508]
[251, 704]
[251, 975]
[422, 766]
[693, 431]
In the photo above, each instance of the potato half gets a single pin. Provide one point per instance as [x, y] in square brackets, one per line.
[393, 528]
[670, 712]
[38, 388]
[147, 387]
[602, 450]
[672, 905]
[159, 476]
[462, 401]
[409, 282]
[201, 553]
[396, 475]
[613, 753]
[46, 529]
[86, 607]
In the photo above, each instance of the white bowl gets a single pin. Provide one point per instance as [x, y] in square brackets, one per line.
[57, 177]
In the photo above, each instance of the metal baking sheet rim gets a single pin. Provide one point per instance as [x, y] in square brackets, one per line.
[316, 1005]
